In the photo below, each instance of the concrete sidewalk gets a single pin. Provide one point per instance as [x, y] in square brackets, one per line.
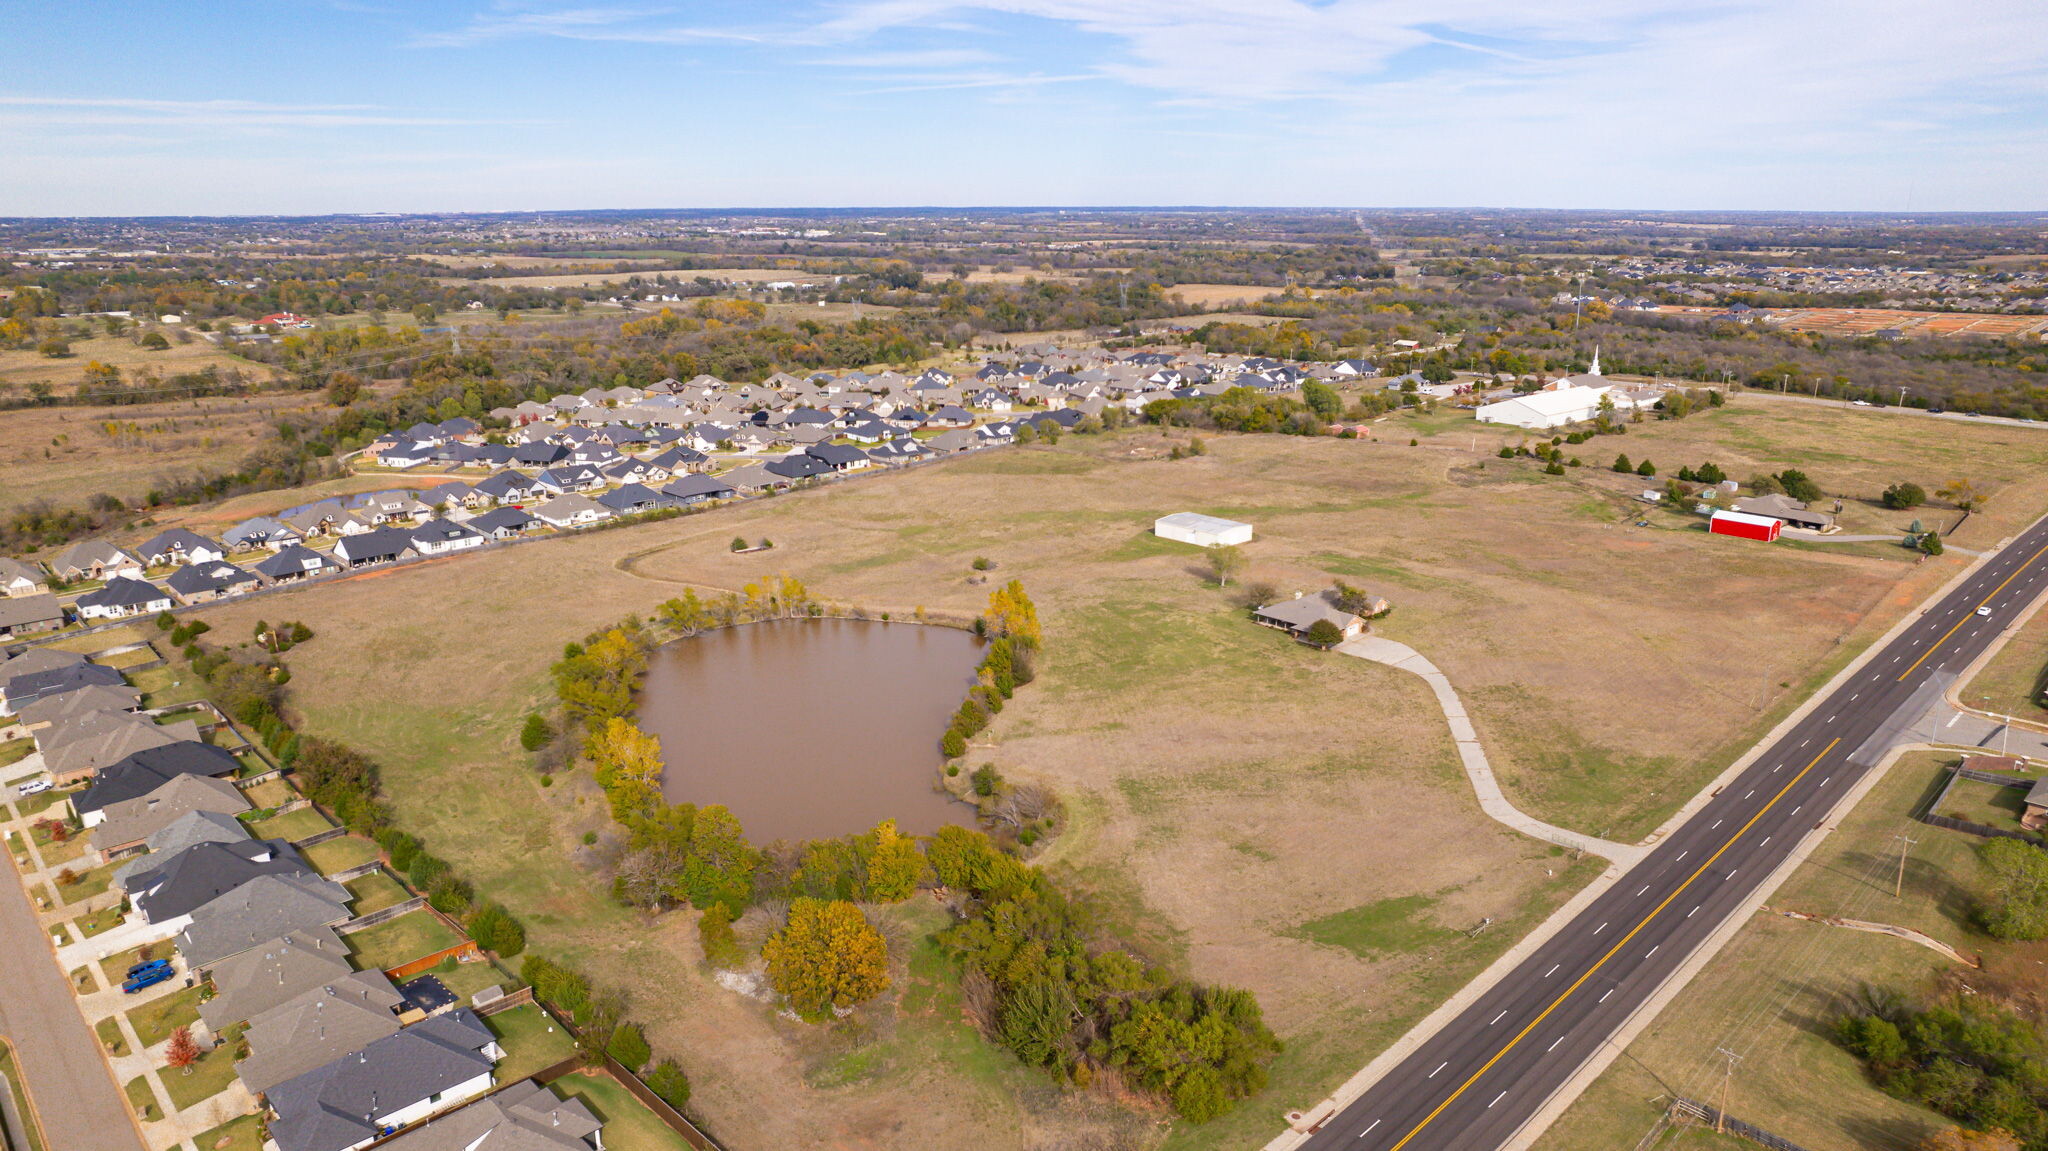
[1477, 768]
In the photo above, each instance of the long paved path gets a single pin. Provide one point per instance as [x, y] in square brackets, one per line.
[78, 1102]
[1475, 1083]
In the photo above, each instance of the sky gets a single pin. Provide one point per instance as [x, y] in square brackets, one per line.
[141, 108]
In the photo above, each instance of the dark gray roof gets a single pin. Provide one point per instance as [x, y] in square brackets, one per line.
[276, 972]
[151, 768]
[122, 591]
[292, 562]
[522, 1117]
[343, 1103]
[199, 875]
[692, 487]
[259, 911]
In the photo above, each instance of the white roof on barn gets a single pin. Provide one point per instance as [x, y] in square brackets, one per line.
[1197, 522]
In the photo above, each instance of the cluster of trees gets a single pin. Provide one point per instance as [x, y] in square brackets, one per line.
[1239, 410]
[602, 1028]
[1970, 1059]
[1011, 625]
[493, 928]
[1058, 997]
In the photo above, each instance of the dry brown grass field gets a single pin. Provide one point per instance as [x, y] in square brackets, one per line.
[1254, 812]
[1222, 295]
[18, 369]
[67, 454]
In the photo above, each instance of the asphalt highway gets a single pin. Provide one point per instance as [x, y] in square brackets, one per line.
[1486, 1073]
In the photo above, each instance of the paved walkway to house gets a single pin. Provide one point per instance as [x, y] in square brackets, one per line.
[1477, 768]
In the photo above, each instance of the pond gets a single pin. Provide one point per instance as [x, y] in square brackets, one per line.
[807, 728]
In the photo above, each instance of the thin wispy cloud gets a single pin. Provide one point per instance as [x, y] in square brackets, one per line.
[599, 25]
[88, 110]
[967, 83]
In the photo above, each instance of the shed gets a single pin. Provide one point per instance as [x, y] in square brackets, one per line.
[1200, 530]
[1747, 526]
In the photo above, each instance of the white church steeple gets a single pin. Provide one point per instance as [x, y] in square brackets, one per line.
[1595, 369]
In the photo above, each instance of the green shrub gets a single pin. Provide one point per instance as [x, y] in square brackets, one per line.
[629, 1047]
[668, 1081]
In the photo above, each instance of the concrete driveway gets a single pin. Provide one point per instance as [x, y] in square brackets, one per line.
[76, 1098]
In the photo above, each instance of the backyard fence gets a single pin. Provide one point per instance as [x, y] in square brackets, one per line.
[464, 951]
[320, 837]
[383, 915]
[1932, 817]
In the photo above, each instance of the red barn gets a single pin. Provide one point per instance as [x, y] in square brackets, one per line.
[1747, 526]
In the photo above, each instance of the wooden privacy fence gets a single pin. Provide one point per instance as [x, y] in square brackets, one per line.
[1932, 816]
[465, 949]
[381, 915]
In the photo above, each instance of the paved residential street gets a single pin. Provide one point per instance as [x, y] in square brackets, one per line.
[80, 1105]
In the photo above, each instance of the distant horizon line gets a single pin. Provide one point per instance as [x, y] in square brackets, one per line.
[935, 209]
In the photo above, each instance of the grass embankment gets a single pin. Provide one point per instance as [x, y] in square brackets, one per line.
[31, 1135]
[1773, 994]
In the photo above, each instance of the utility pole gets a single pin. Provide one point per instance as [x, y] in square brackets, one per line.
[1727, 1078]
[1899, 884]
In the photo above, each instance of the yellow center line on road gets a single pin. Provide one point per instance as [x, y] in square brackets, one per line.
[1936, 646]
[1619, 944]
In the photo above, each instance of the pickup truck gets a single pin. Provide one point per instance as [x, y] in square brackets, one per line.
[145, 966]
[148, 979]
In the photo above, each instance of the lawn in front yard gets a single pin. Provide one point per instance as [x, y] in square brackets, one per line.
[14, 751]
[404, 939]
[209, 1076]
[340, 854]
[37, 804]
[106, 918]
[141, 1099]
[292, 826]
[111, 1039]
[375, 892]
[154, 1021]
[115, 967]
[628, 1124]
[244, 1134]
[532, 1042]
[87, 884]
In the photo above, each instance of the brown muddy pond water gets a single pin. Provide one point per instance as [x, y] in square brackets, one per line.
[808, 728]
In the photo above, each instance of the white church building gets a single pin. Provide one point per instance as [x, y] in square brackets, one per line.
[1572, 400]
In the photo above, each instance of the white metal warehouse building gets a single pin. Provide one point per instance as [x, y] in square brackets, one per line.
[1200, 530]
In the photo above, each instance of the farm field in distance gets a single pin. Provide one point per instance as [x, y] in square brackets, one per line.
[1266, 816]
[66, 455]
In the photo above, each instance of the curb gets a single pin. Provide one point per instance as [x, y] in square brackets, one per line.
[1570, 1089]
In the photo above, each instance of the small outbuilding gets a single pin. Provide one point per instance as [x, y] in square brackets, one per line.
[1202, 531]
[1747, 526]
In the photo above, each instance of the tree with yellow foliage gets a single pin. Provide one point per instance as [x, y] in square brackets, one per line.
[895, 866]
[1957, 1139]
[828, 956]
[627, 762]
[1011, 615]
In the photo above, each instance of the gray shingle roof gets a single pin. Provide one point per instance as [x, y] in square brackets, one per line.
[342, 1103]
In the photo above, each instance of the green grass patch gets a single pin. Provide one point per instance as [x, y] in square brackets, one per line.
[37, 804]
[340, 854]
[404, 939]
[1985, 803]
[1145, 545]
[104, 919]
[466, 979]
[115, 967]
[375, 892]
[270, 793]
[154, 1021]
[292, 826]
[15, 750]
[141, 1099]
[111, 1040]
[243, 1134]
[167, 686]
[204, 1079]
[88, 884]
[628, 1124]
[1383, 927]
[532, 1042]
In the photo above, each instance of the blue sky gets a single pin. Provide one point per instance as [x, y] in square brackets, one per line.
[377, 105]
